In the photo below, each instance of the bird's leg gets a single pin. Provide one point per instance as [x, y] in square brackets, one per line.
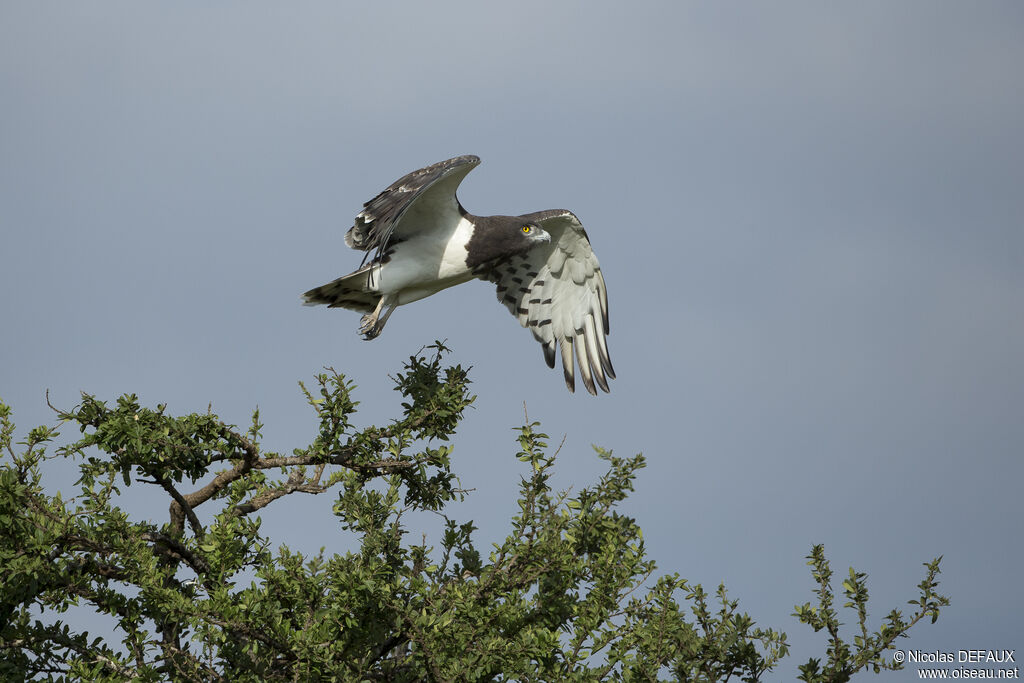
[369, 321]
[372, 324]
[383, 321]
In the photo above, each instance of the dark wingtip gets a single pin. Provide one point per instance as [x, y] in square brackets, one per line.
[549, 354]
[607, 364]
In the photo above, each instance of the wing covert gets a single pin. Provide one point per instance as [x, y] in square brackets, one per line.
[423, 198]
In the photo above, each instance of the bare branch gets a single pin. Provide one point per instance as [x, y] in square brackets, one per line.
[250, 454]
[180, 509]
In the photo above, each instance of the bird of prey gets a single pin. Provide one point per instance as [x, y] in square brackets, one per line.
[419, 240]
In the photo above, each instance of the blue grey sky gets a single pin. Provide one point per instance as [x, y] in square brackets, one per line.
[810, 217]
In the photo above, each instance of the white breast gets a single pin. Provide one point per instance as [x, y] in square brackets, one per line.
[427, 262]
[453, 260]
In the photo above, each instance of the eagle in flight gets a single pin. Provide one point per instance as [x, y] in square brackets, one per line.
[419, 240]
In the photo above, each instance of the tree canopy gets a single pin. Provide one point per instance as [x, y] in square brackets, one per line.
[568, 595]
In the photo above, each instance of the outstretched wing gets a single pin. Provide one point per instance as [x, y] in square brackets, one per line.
[556, 290]
[420, 200]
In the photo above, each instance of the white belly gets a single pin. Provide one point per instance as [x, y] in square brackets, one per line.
[426, 264]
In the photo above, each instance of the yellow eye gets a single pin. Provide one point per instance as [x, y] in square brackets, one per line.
[527, 229]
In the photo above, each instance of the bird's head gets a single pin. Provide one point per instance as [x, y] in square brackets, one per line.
[499, 237]
[523, 235]
[514, 231]
[531, 231]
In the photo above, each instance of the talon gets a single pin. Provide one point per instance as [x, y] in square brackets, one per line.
[368, 326]
[372, 324]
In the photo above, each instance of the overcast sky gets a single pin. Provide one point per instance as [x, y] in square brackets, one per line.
[810, 218]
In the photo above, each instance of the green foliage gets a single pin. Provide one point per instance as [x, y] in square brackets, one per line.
[568, 595]
[868, 650]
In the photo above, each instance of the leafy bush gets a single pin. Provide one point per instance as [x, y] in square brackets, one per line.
[569, 595]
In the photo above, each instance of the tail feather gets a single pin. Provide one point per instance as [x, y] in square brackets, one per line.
[348, 291]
